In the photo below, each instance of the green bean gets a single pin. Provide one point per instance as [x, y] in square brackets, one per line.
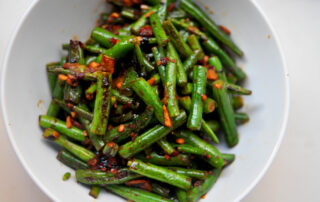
[241, 118]
[154, 158]
[136, 194]
[162, 10]
[214, 61]
[70, 160]
[209, 105]
[110, 149]
[158, 54]
[214, 156]
[96, 140]
[186, 90]
[181, 73]
[177, 14]
[129, 13]
[159, 189]
[70, 108]
[181, 195]
[177, 40]
[144, 63]
[91, 91]
[185, 102]
[209, 24]
[102, 105]
[190, 149]
[199, 88]
[94, 191]
[149, 137]
[195, 45]
[159, 173]
[104, 37]
[90, 59]
[213, 124]
[61, 127]
[237, 102]
[143, 89]
[211, 46]
[94, 49]
[136, 26]
[228, 159]
[72, 93]
[166, 146]
[193, 173]
[78, 151]
[158, 30]
[75, 72]
[52, 77]
[170, 87]
[134, 126]
[233, 88]
[75, 53]
[54, 109]
[226, 114]
[124, 99]
[231, 78]
[131, 75]
[95, 177]
[119, 50]
[191, 60]
[122, 118]
[196, 192]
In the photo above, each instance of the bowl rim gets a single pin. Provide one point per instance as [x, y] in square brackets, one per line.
[43, 188]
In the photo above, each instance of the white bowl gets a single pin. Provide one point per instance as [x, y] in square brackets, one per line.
[47, 24]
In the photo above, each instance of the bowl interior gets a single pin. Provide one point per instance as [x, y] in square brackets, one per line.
[25, 92]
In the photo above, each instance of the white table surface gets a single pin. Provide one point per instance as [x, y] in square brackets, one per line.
[294, 174]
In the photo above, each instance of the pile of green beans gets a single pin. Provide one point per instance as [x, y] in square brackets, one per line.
[139, 107]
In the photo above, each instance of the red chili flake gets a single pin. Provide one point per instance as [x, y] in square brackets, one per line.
[225, 29]
[180, 141]
[111, 144]
[205, 60]
[121, 128]
[70, 105]
[211, 74]
[204, 97]
[167, 120]
[73, 114]
[103, 169]
[110, 127]
[208, 156]
[217, 85]
[114, 171]
[92, 162]
[114, 41]
[85, 133]
[175, 153]
[68, 122]
[133, 136]
[148, 156]
[148, 14]
[203, 196]
[163, 61]
[171, 7]
[146, 31]
[94, 64]
[166, 156]
[197, 183]
[108, 63]
[152, 81]
[114, 15]
[62, 77]
[55, 134]
[171, 60]
[127, 3]
[69, 65]
[89, 96]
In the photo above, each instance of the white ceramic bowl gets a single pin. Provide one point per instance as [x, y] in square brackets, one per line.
[47, 24]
